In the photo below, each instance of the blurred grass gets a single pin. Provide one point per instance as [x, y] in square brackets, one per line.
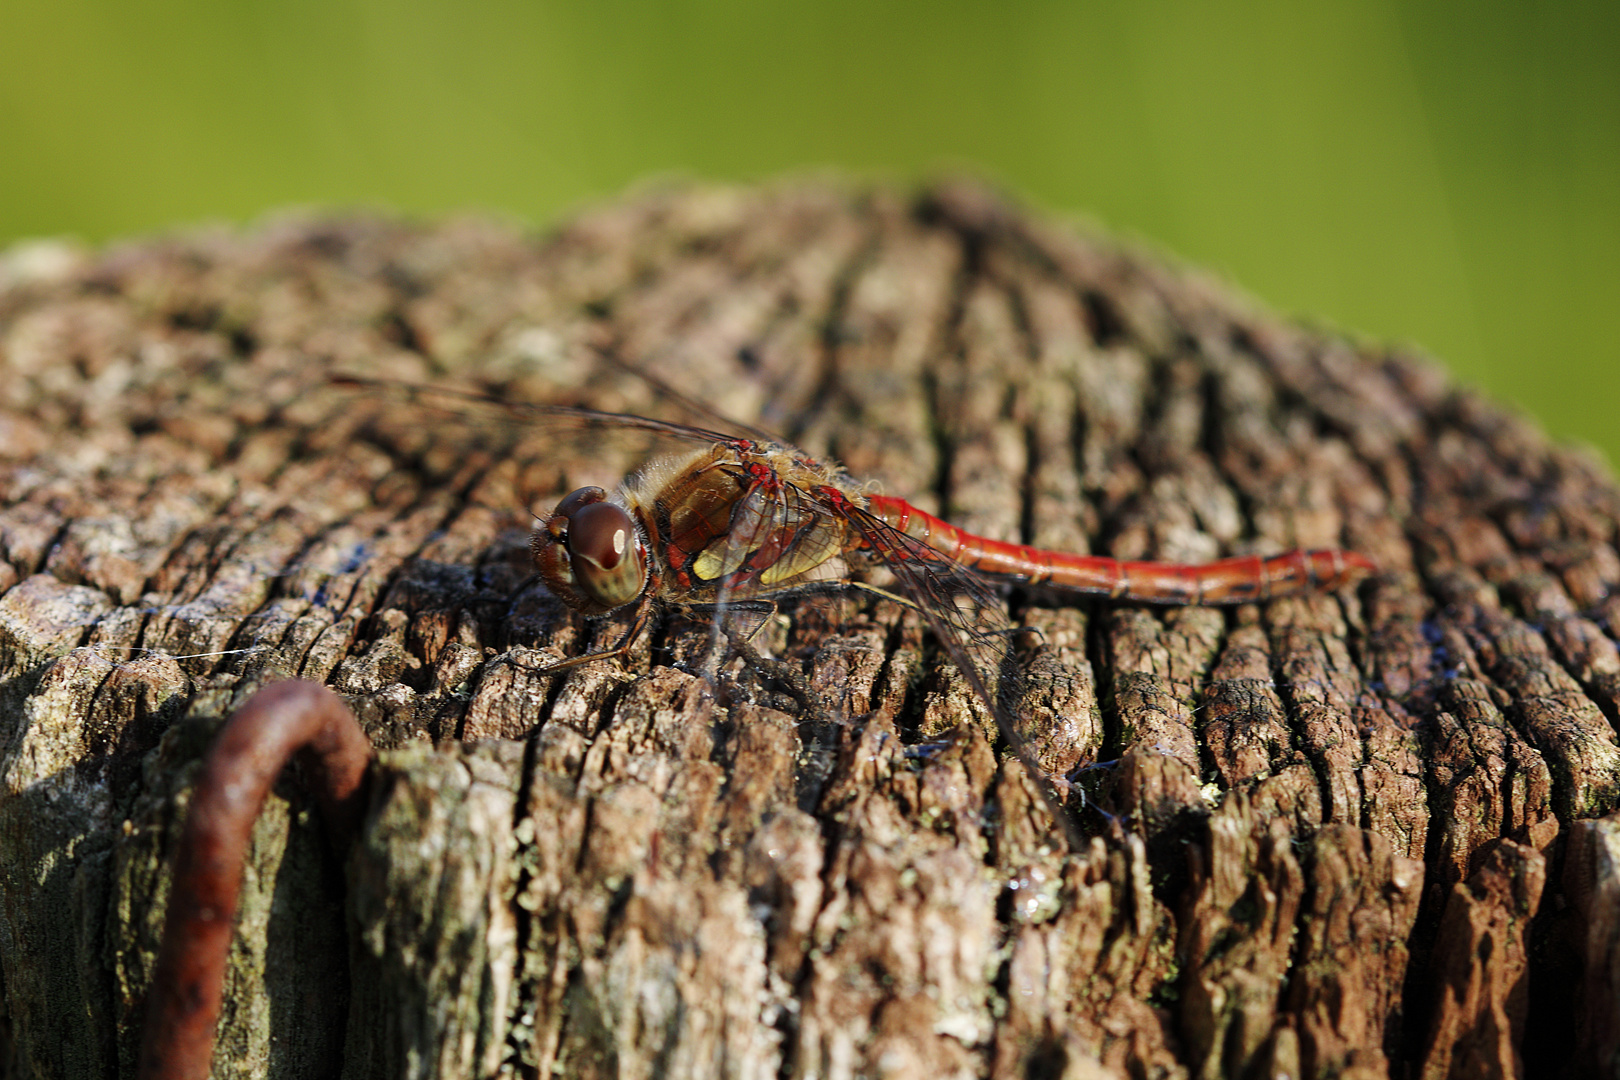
[1437, 173]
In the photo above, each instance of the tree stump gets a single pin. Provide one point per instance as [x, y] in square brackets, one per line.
[1369, 834]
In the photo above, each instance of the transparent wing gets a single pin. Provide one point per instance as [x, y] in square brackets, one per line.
[964, 610]
[778, 539]
[529, 455]
[453, 396]
[968, 616]
[779, 536]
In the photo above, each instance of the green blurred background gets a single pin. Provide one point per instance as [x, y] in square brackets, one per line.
[1440, 173]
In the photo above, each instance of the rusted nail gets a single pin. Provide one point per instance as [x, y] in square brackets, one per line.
[281, 720]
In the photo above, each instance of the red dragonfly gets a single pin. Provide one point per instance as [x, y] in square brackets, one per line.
[740, 521]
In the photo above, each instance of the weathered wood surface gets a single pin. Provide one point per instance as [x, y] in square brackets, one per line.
[1370, 834]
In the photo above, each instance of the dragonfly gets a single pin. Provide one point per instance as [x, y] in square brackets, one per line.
[730, 523]
[737, 519]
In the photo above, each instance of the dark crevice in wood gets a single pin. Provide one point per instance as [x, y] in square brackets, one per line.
[1107, 328]
[827, 386]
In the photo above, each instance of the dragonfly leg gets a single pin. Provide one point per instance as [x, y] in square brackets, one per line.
[622, 649]
[523, 586]
[882, 594]
[727, 620]
[1005, 631]
[788, 674]
[759, 611]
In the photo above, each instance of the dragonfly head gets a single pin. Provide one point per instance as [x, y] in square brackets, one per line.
[590, 553]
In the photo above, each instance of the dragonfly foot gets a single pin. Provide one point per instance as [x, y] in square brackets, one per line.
[788, 675]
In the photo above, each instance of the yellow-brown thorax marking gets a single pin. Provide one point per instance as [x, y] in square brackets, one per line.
[743, 525]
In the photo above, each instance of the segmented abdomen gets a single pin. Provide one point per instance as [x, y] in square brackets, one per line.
[1237, 580]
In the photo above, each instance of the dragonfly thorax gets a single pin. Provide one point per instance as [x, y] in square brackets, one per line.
[590, 553]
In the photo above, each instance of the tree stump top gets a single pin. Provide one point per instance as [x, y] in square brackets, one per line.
[1363, 834]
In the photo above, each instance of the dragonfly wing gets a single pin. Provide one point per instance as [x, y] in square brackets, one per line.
[751, 521]
[758, 536]
[779, 539]
[968, 617]
[778, 534]
[961, 606]
[453, 399]
[810, 538]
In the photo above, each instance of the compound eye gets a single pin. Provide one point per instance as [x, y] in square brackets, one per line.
[602, 550]
[574, 500]
[559, 520]
[601, 533]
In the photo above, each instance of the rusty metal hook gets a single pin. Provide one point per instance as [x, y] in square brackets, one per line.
[256, 743]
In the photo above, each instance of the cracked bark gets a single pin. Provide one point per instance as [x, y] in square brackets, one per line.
[1361, 835]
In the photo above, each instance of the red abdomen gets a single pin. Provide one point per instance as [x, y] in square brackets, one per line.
[1238, 580]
